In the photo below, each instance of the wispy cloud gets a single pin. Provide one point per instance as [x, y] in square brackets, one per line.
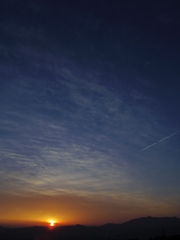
[64, 130]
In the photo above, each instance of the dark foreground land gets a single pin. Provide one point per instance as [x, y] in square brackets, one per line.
[142, 228]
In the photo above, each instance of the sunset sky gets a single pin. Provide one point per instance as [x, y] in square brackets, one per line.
[89, 111]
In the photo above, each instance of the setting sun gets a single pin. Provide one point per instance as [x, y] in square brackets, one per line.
[51, 223]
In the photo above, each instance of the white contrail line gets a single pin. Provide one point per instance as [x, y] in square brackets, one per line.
[160, 140]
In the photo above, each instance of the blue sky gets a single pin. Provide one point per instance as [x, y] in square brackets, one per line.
[83, 90]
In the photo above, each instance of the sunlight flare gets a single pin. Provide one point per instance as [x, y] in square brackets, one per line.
[51, 222]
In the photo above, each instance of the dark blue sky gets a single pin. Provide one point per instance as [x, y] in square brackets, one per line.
[89, 106]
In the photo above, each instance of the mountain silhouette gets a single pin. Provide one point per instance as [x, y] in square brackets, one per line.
[141, 228]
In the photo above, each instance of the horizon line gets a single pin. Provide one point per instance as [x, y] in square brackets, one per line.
[46, 225]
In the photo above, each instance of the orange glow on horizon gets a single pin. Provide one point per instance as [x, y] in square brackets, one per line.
[51, 223]
[43, 210]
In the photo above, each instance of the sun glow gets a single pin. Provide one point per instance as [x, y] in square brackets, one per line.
[51, 223]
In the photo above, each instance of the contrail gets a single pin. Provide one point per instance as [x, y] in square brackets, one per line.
[160, 140]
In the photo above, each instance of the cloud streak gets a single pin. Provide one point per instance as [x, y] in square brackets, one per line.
[161, 140]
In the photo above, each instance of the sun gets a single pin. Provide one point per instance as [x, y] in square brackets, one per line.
[52, 223]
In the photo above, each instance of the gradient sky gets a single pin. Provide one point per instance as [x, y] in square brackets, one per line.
[89, 111]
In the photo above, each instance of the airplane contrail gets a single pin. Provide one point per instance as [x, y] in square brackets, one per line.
[160, 141]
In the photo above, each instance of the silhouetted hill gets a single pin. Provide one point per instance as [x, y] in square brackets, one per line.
[142, 228]
[151, 226]
[145, 227]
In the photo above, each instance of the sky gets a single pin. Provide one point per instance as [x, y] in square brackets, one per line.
[89, 111]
